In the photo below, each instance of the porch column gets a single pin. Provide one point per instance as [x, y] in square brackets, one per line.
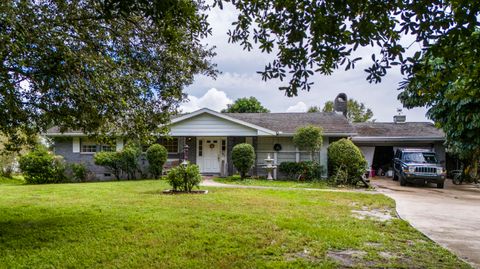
[255, 146]
[324, 157]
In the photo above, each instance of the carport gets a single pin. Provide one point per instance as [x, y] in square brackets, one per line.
[379, 140]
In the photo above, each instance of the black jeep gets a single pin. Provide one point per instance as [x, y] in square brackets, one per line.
[418, 166]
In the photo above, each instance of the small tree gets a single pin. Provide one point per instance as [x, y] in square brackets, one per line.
[243, 158]
[184, 178]
[129, 160]
[346, 161]
[309, 138]
[109, 160]
[156, 156]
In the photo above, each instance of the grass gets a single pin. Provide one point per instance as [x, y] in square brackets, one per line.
[130, 224]
[14, 180]
[319, 184]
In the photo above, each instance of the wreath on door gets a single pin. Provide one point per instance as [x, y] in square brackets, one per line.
[212, 146]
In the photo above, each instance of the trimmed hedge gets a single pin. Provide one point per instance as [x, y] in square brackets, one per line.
[308, 170]
[346, 162]
[156, 156]
[243, 158]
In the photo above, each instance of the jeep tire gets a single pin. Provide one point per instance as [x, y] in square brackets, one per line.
[403, 181]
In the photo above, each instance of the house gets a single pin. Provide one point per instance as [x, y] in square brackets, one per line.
[210, 137]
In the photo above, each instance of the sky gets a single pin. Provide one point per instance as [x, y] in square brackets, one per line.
[239, 78]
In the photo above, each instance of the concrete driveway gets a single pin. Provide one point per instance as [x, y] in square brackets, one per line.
[450, 216]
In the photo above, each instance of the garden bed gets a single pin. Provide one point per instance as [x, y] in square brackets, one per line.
[185, 192]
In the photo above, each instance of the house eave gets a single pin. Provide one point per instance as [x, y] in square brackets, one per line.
[396, 138]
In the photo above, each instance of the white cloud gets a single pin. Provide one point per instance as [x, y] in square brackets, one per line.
[212, 99]
[299, 107]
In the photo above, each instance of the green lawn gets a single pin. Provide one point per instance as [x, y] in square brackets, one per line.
[320, 184]
[132, 225]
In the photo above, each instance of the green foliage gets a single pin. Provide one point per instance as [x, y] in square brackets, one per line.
[110, 160]
[311, 37]
[306, 170]
[79, 171]
[312, 170]
[156, 156]
[129, 158]
[309, 138]
[99, 66]
[40, 166]
[184, 178]
[246, 105]
[447, 82]
[346, 160]
[356, 111]
[290, 169]
[243, 158]
[313, 109]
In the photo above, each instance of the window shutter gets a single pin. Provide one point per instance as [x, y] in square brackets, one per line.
[76, 144]
[119, 144]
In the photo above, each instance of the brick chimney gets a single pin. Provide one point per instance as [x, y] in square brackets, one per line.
[340, 104]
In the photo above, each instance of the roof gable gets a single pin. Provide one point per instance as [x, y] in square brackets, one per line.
[207, 122]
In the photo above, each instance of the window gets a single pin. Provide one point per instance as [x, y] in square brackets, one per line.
[171, 144]
[224, 144]
[89, 148]
[200, 147]
[107, 148]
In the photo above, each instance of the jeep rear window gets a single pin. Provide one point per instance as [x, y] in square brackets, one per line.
[420, 157]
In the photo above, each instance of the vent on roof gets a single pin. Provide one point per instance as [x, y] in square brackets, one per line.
[340, 104]
[399, 118]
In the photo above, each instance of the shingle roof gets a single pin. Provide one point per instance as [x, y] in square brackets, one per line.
[289, 122]
[390, 129]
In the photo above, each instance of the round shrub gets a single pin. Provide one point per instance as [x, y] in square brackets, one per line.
[156, 156]
[243, 158]
[346, 159]
[40, 166]
[184, 178]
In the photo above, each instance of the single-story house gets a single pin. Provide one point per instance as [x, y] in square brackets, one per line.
[211, 135]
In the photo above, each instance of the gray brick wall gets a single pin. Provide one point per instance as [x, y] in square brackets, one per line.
[64, 147]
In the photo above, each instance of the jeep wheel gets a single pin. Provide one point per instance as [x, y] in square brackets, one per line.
[395, 177]
[403, 182]
[440, 185]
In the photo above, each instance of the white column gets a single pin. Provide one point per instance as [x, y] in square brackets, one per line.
[324, 156]
[275, 157]
[76, 144]
[119, 146]
[297, 155]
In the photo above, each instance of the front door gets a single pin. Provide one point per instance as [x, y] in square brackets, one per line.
[209, 154]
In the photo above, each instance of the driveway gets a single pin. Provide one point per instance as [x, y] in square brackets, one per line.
[450, 216]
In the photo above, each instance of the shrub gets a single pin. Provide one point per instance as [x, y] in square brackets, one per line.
[129, 160]
[79, 171]
[309, 138]
[156, 156]
[290, 169]
[243, 158]
[40, 167]
[184, 178]
[311, 170]
[346, 160]
[111, 161]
